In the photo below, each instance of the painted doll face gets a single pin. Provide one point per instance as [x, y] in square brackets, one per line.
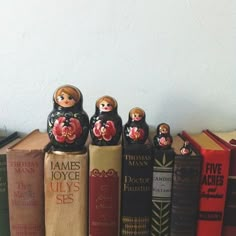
[163, 129]
[105, 106]
[136, 117]
[65, 100]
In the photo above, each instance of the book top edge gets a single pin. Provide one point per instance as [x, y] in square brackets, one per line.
[206, 142]
[35, 140]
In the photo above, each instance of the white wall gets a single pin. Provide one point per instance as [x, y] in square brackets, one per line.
[175, 59]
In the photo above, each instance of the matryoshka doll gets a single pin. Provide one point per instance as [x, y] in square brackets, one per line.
[163, 138]
[68, 123]
[105, 124]
[186, 149]
[136, 129]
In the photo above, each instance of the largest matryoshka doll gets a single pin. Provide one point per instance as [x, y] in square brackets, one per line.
[68, 123]
[105, 124]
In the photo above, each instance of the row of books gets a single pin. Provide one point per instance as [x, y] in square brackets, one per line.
[137, 190]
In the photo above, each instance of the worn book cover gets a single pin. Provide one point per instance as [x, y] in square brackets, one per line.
[161, 191]
[5, 143]
[185, 189]
[66, 193]
[229, 139]
[214, 180]
[25, 184]
[104, 190]
[136, 189]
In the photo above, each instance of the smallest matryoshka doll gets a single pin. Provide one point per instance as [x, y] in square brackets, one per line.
[68, 123]
[136, 129]
[163, 138]
[186, 149]
[105, 124]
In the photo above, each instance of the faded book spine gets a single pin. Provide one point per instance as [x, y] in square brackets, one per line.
[161, 191]
[185, 195]
[66, 193]
[26, 194]
[104, 190]
[229, 223]
[136, 191]
[4, 211]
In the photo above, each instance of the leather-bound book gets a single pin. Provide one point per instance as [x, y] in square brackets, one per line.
[5, 143]
[185, 189]
[214, 180]
[229, 140]
[163, 162]
[136, 189]
[25, 184]
[66, 193]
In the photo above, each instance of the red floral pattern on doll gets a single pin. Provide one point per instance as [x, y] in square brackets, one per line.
[66, 133]
[164, 141]
[106, 131]
[136, 134]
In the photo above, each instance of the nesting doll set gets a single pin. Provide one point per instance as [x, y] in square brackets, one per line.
[68, 124]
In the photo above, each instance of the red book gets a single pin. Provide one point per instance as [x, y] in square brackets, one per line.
[229, 140]
[25, 174]
[104, 190]
[214, 179]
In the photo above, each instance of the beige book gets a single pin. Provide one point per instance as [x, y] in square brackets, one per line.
[66, 195]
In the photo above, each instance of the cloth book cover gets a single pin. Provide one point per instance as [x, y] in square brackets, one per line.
[214, 180]
[66, 193]
[104, 189]
[5, 143]
[161, 191]
[25, 184]
[185, 189]
[136, 189]
[229, 224]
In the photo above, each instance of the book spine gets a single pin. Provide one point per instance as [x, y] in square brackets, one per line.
[161, 191]
[213, 187]
[104, 190]
[4, 210]
[25, 191]
[136, 191]
[66, 193]
[185, 195]
[229, 224]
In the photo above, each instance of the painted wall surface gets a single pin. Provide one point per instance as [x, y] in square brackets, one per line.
[174, 59]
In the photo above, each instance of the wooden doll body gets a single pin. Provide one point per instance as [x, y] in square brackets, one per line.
[68, 123]
[163, 138]
[136, 129]
[105, 124]
[186, 149]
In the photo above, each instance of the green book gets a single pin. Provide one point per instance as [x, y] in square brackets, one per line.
[5, 142]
